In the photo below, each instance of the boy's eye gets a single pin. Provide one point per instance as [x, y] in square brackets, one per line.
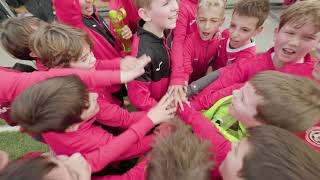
[165, 3]
[289, 32]
[245, 30]
[214, 20]
[232, 26]
[309, 38]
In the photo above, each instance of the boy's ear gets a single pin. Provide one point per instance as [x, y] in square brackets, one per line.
[144, 14]
[32, 54]
[4, 160]
[73, 127]
[258, 30]
[222, 20]
[275, 33]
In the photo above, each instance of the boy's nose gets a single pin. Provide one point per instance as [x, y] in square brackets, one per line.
[175, 5]
[295, 41]
[234, 33]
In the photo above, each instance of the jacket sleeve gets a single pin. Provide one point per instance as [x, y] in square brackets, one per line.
[139, 90]
[113, 64]
[118, 145]
[69, 12]
[115, 116]
[138, 172]
[16, 82]
[203, 128]
[205, 101]
[180, 34]
[188, 54]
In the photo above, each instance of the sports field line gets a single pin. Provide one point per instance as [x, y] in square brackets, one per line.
[7, 128]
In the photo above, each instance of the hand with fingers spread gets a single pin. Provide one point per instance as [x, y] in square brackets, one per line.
[163, 111]
[134, 71]
[179, 92]
[126, 32]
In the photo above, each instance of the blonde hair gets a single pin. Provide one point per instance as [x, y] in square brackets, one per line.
[301, 13]
[289, 101]
[58, 44]
[181, 156]
[211, 3]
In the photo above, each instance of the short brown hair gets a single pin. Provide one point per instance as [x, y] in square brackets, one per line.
[253, 8]
[180, 156]
[35, 168]
[301, 13]
[15, 35]
[58, 44]
[142, 3]
[52, 105]
[289, 101]
[277, 154]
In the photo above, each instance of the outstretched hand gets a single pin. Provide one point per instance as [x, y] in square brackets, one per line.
[164, 111]
[135, 69]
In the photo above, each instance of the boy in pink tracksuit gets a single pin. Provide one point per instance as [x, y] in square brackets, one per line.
[154, 39]
[67, 124]
[82, 14]
[76, 53]
[201, 47]
[292, 45]
[237, 41]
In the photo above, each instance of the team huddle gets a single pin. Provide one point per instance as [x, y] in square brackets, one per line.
[206, 104]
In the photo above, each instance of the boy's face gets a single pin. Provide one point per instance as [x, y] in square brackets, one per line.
[231, 166]
[208, 21]
[242, 29]
[163, 13]
[93, 108]
[86, 7]
[69, 168]
[244, 105]
[292, 43]
[87, 60]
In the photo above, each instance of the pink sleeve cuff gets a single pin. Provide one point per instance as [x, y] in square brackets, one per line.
[142, 127]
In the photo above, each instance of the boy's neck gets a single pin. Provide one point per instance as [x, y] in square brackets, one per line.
[149, 26]
[278, 64]
[245, 44]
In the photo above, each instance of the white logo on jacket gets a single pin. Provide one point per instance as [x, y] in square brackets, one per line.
[313, 136]
[4, 109]
[159, 66]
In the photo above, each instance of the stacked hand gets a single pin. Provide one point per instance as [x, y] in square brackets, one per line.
[131, 67]
[179, 92]
[164, 111]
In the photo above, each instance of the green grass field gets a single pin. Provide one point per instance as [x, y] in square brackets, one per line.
[17, 144]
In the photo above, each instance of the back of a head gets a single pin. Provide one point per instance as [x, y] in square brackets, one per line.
[57, 44]
[15, 35]
[142, 3]
[253, 8]
[35, 168]
[277, 154]
[289, 102]
[51, 105]
[302, 12]
[180, 156]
